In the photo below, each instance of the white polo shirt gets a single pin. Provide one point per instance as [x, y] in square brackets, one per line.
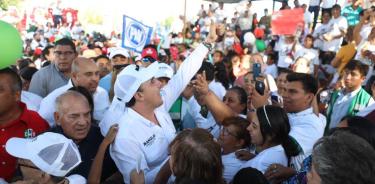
[31, 100]
[306, 128]
[231, 166]
[272, 155]
[141, 141]
[47, 106]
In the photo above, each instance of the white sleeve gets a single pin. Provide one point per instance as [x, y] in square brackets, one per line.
[126, 154]
[185, 73]
[46, 111]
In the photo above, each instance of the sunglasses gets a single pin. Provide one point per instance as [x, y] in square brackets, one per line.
[148, 59]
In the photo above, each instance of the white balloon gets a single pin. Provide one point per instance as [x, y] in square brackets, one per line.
[249, 38]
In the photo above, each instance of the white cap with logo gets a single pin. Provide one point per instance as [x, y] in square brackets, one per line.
[130, 79]
[51, 152]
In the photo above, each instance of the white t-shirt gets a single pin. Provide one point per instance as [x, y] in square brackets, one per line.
[365, 31]
[231, 166]
[365, 45]
[284, 50]
[272, 155]
[328, 3]
[336, 25]
[314, 3]
[319, 31]
[311, 54]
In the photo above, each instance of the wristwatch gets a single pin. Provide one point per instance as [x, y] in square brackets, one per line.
[208, 45]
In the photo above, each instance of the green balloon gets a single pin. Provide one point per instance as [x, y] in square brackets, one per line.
[10, 45]
[261, 46]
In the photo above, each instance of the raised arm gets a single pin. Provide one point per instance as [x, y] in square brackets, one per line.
[218, 109]
[97, 165]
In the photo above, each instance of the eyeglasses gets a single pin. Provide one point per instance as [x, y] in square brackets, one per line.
[226, 132]
[66, 53]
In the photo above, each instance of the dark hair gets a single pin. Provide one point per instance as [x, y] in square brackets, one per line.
[343, 158]
[242, 96]
[209, 68]
[370, 82]
[27, 73]
[357, 65]
[66, 42]
[274, 122]
[360, 126]
[46, 51]
[16, 83]
[101, 57]
[188, 163]
[219, 52]
[310, 36]
[273, 56]
[221, 74]
[23, 63]
[241, 124]
[309, 84]
[336, 6]
[249, 175]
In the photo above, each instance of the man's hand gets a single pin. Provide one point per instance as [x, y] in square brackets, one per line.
[201, 85]
[278, 173]
[244, 155]
[212, 36]
[111, 135]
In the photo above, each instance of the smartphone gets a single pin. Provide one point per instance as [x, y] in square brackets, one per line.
[275, 98]
[256, 70]
[259, 86]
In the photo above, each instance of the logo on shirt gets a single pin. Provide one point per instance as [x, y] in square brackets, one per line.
[150, 140]
[29, 133]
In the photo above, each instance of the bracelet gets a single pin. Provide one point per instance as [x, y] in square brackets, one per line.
[208, 45]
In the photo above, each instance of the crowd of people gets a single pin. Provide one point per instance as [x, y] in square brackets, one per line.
[221, 101]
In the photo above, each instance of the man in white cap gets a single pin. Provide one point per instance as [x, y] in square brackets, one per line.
[47, 158]
[145, 128]
[119, 57]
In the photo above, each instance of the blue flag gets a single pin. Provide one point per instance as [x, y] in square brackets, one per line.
[135, 35]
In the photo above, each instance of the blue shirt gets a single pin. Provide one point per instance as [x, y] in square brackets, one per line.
[105, 82]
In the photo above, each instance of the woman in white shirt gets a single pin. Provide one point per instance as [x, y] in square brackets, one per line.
[233, 137]
[269, 129]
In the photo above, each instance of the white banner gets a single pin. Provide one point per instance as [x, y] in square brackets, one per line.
[135, 35]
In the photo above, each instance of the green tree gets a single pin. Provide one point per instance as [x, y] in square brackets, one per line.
[4, 4]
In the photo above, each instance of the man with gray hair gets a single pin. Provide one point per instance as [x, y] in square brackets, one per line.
[342, 158]
[85, 73]
[74, 122]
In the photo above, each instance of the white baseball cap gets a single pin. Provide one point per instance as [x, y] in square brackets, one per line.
[50, 152]
[114, 51]
[164, 71]
[130, 79]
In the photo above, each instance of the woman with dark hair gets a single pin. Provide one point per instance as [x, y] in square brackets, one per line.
[236, 99]
[221, 74]
[269, 129]
[355, 125]
[195, 156]
[233, 137]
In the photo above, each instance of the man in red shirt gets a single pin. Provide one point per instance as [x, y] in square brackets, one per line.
[15, 119]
